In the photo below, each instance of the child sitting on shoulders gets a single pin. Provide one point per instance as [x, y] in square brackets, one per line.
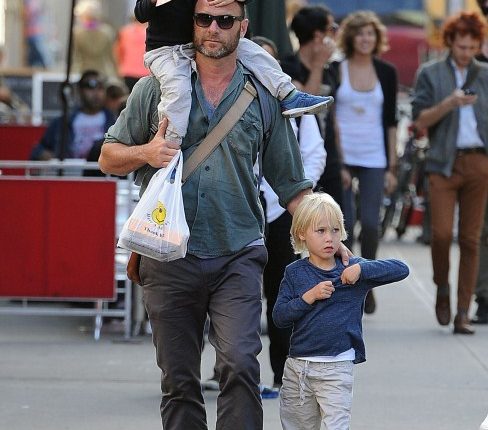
[169, 54]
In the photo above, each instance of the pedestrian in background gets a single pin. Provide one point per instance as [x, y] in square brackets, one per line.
[93, 40]
[451, 101]
[365, 107]
[315, 29]
[481, 290]
[12, 108]
[38, 54]
[322, 300]
[116, 97]
[129, 52]
[87, 124]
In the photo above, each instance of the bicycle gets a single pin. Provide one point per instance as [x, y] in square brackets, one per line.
[408, 198]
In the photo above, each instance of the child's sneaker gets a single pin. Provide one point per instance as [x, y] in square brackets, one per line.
[268, 392]
[211, 384]
[299, 103]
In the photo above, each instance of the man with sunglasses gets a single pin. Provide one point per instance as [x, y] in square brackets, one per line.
[221, 274]
[169, 54]
[87, 124]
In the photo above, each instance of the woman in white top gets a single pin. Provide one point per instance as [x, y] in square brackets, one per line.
[366, 121]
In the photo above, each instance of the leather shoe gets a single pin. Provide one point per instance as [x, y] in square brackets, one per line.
[443, 309]
[461, 324]
[369, 303]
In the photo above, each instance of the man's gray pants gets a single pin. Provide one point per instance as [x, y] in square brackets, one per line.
[178, 295]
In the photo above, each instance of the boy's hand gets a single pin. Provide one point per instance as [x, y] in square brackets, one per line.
[351, 274]
[321, 291]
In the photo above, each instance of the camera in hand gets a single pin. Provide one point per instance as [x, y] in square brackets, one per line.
[469, 92]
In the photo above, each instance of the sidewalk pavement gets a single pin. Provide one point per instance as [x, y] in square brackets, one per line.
[418, 375]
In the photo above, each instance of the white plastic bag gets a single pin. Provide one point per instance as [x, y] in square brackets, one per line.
[157, 227]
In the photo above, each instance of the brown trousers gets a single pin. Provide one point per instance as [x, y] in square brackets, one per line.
[468, 186]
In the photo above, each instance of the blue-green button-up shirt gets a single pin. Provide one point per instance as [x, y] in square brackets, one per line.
[221, 201]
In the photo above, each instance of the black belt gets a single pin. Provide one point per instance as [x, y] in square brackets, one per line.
[473, 150]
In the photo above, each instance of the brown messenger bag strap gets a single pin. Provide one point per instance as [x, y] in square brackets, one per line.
[215, 137]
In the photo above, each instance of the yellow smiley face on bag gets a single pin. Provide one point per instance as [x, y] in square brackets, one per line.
[158, 215]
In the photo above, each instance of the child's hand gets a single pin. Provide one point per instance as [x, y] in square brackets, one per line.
[321, 291]
[219, 3]
[351, 274]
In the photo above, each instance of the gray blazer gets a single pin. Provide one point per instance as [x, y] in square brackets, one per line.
[435, 81]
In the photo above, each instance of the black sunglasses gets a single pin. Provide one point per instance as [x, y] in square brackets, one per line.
[225, 22]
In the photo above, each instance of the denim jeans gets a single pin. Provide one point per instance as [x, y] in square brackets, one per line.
[371, 185]
[178, 295]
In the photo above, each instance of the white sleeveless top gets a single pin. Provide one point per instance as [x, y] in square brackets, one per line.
[359, 118]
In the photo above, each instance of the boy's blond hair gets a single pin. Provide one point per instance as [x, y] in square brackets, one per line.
[309, 211]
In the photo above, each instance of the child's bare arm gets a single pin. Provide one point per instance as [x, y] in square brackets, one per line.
[321, 291]
[351, 274]
[218, 3]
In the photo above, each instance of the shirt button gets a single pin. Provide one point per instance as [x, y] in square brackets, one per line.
[207, 168]
[202, 195]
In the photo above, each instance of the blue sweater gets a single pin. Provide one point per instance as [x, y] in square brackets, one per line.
[331, 326]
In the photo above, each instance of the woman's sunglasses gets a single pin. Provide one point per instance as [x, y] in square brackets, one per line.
[225, 22]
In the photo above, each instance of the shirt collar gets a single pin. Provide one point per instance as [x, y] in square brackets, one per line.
[230, 94]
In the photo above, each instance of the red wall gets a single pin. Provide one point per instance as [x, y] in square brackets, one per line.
[57, 238]
[17, 141]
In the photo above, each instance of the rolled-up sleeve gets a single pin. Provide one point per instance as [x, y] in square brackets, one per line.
[282, 161]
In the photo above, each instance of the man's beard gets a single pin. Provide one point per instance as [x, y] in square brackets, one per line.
[227, 48]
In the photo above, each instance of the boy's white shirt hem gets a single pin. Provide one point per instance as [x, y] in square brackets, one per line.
[349, 355]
